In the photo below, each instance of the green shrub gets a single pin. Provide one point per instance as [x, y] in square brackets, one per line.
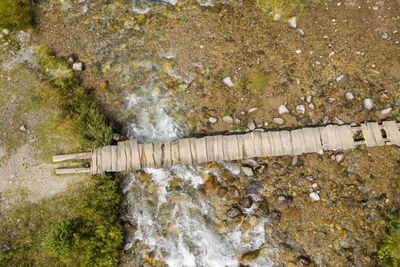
[389, 252]
[15, 14]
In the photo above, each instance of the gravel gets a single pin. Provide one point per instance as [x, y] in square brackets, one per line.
[368, 103]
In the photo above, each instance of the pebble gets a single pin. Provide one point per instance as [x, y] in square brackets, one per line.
[227, 119]
[278, 121]
[243, 113]
[298, 51]
[384, 36]
[308, 99]
[295, 160]
[338, 79]
[228, 81]
[311, 106]
[251, 125]
[375, 8]
[213, 119]
[248, 171]
[368, 103]
[252, 110]
[277, 17]
[314, 196]
[339, 157]
[292, 22]
[331, 100]
[301, 109]
[282, 109]
[385, 111]
[338, 121]
[281, 198]
[314, 185]
[23, 128]
[78, 66]
[301, 32]
[349, 96]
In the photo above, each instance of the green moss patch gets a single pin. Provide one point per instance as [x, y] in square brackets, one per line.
[389, 252]
[254, 82]
[285, 8]
[15, 14]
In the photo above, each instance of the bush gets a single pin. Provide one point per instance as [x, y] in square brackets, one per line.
[389, 252]
[15, 14]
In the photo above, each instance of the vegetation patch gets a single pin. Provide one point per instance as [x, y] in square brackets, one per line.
[389, 252]
[254, 82]
[15, 14]
[285, 8]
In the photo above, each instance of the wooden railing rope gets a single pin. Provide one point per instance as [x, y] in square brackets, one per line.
[131, 156]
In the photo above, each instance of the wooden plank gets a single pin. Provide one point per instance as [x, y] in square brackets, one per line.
[128, 154]
[148, 152]
[75, 156]
[266, 146]
[193, 151]
[333, 142]
[241, 148]
[73, 171]
[248, 142]
[277, 143]
[184, 151]
[106, 157]
[296, 143]
[225, 147]
[258, 148]
[324, 138]
[368, 135]
[233, 151]
[121, 163]
[157, 154]
[317, 140]
[114, 158]
[167, 162]
[175, 153]
[376, 130]
[201, 150]
[93, 164]
[142, 156]
[218, 148]
[286, 140]
[100, 168]
[135, 155]
[310, 143]
[392, 132]
[210, 148]
[345, 134]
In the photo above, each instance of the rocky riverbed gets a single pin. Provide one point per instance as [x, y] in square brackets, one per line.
[165, 70]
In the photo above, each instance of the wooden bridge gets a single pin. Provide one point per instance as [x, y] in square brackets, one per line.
[131, 156]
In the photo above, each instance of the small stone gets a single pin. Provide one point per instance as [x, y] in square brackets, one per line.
[301, 32]
[331, 100]
[314, 185]
[311, 106]
[277, 17]
[212, 119]
[228, 81]
[339, 157]
[314, 196]
[338, 79]
[295, 160]
[5, 31]
[349, 96]
[331, 54]
[281, 198]
[338, 121]
[384, 36]
[292, 22]
[227, 119]
[251, 125]
[211, 184]
[308, 99]
[385, 111]
[78, 66]
[303, 261]
[247, 171]
[242, 112]
[252, 110]
[250, 256]
[368, 103]
[375, 8]
[301, 109]
[298, 51]
[234, 213]
[23, 128]
[282, 109]
[278, 121]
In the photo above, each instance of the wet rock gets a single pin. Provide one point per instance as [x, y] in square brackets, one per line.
[227, 119]
[212, 119]
[252, 110]
[211, 184]
[314, 196]
[303, 261]
[263, 207]
[228, 81]
[281, 198]
[301, 109]
[233, 193]
[349, 96]
[282, 109]
[248, 171]
[23, 128]
[254, 188]
[78, 66]
[278, 121]
[250, 256]
[234, 213]
[292, 22]
[339, 157]
[222, 191]
[368, 103]
[338, 121]
[246, 202]
[251, 125]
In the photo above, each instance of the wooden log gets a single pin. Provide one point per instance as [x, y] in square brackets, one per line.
[376, 131]
[368, 135]
[93, 164]
[106, 157]
[167, 163]
[210, 148]
[121, 161]
[249, 150]
[286, 140]
[114, 158]
[184, 151]
[158, 154]
[75, 156]
[392, 132]
[135, 155]
[201, 150]
[73, 171]
[266, 146]
[257, 140]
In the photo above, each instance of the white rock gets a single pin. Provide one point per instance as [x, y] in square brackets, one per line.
[247, 171]
[298, 51]
[349, 96]
[242, 112]
[314, 185]
[278, 121]
[338, 121]
[308, 99]
[368, 103]
[228, 81]
[23, 128]
[236, 120]
[385, 111]
[251, 125]
[281, 198]
[338, 79]
[213, 119]
[301, 32]
[227, 119]
[301, 109]
[311, 106]
[5, 31]
[292, 22]
[314, 196]
[384, 35]
[282, 109]
[339, 157]
[277, 17]
[78, 66]
[375, 8]
[331, 54]
[331, 100]
[252, 110]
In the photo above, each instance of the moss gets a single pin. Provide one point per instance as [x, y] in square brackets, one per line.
[238, 127]
[254, 82]
[15, 14]
[285, 8]
[389, 252]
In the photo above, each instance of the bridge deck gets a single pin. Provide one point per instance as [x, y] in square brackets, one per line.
[130, 156]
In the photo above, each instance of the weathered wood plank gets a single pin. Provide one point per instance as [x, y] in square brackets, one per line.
[114, 158]
[241, 148]
[210, 148]
[376, 131]
[218, 148]
[266, 146]
[232, 143]
[175, 152]
[258, 147]
[136, 165]
[75, 156]
[184, 151]
[128, 154]
[296, 143]
[93, 165]
[249, 150]
[333, 142]
[368, 135]
[201, 150]
[346, 137]
[167, 163]
[73, 171]
[106, 157]
[286, 140]
[121, 163]
[158, 154]
[277, 143]
[392, 132]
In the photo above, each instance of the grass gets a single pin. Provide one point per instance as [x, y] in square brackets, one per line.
[253, 82]
[16, 14]
[239, 127]
[285, 8]
[389, 252]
